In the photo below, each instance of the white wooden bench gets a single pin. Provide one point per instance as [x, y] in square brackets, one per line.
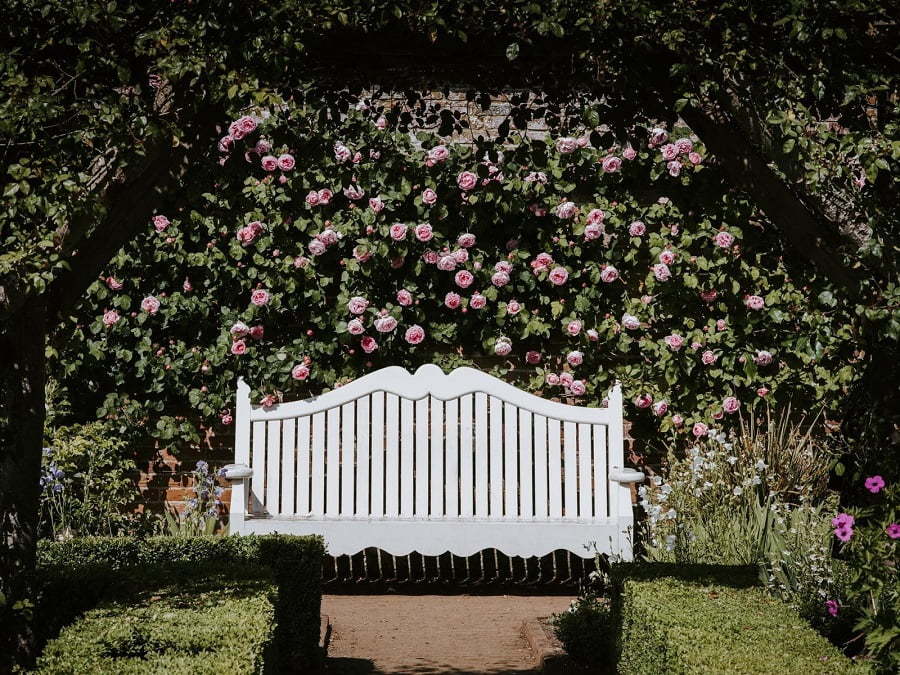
[431, 463]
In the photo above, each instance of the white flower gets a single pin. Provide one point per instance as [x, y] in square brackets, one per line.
[670, 542]
[731, 460]
[761, 466]
[755, 480]
[737, 491]
[656, 480]
[671, 514]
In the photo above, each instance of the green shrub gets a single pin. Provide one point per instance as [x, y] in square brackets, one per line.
[80, 573]
[218, 625]
[587, 631]
[704, 620]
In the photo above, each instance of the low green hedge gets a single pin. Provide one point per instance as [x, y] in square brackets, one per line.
[78, 574]
[215, 626]
[713, 620]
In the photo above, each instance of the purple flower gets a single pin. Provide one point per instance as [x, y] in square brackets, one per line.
[833, 607]
[874, 484]
[893, 530]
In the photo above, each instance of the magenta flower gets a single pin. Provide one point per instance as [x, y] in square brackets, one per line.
[833, 607]
[874, 484]
[414, 334]
[893, 530]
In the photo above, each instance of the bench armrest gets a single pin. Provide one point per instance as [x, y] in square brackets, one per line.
[234, 472]
[620, 475]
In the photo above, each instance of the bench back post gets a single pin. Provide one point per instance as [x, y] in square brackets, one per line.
[239, 488]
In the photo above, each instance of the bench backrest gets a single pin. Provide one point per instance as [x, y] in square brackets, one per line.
[429, 445]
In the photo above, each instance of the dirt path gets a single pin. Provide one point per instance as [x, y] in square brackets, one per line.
[447, 634]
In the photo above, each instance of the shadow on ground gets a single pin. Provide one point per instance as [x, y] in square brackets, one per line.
[351, 666]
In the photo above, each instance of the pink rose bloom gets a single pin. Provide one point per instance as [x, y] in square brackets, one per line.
[762, 358]
[325, 196]
[238, 347]
[643, 401]
[424, 232]
[709, 357]
[160, 223]
[262, 146]
[150, 305]
[452, 300]
[577, 388]
[269, 163]
[513, 307]
[404, 297]
[361, 253]
[609, 274]
[674, 341]
[438, 153]
[429, 196]
[500, 279]
[461, 255]
[566, 379]
[658, 136]
[341, 153]
[667, 257]
[431, 257]
[542, 261]
[398, 231]
[503, 347]
[286, 162]
[592, 231]
[660, 408]
[566, 210]
[684, 145]
[537, 210]
[385, 324]
[612, 164]
[893, 530]
[357, 305]
[246, 235]
[110, 317]
[113, 284]
[533, 358]
[327, 237]
[414, 334]
[874, 484]
[629, 153]
[630, 322]
[238, 330]
[354, 192]
[575, 358]
[595, 216]
[696, 345]
[558, 276]
[259, 297]
[592, 335]
[356, 327]
[709, 296]
[730, 404]
[186, 286]
[552, 379]
[503, 266]
[637, 229]
[226, 143]
[477, 301]
[573, 328]
[700, 430]
[695, 158]
[257, 332]
[466, 240]
[721, 325]
[566, 145]
[247, 124]
[662, 272]
[762, 392]
[368, 344]
[300, 371]
[446, 263]
[312, 198]
[669, 151]
[466, 180]
[754, 302]
[723, 240]
[226, 419]
[674, 168]
[316, 247]
[381, 123]
[464, 278]
[677, 420]
[376, 204]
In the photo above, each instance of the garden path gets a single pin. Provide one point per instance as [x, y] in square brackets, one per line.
[446, 634]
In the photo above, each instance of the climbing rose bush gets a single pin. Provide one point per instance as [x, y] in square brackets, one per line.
[314, 252]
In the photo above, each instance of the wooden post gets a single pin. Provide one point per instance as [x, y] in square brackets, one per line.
[241, 456]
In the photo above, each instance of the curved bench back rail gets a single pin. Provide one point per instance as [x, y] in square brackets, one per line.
[429, 462]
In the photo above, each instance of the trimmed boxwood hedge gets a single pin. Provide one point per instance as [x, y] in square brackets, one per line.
[78, 574]
[707, 619]
[214, 626]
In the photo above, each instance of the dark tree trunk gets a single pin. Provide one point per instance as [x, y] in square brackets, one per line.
[22, 414]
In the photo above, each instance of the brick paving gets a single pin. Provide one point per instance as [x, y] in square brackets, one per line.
[446, 634]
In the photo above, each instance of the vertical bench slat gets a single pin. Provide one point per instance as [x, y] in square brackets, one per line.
[318, 464]
[259, 464]
[421, 469]
[541, 505]
[496, 458]
[481, 455]
[333, 463]
[601, 509]
[554, 462]
[288, 473]
[348, 457]
[362, 456]
[407, 437]
[570, 470]
[466, 457]
[436, 508]
[303, 460]
[451, 438]
[273, 467]
[585, 474]
[526, 510]
[511, 460]
[376, 442]
[392, 455]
